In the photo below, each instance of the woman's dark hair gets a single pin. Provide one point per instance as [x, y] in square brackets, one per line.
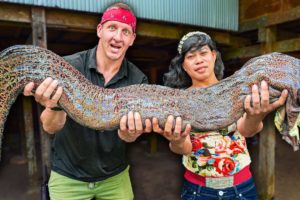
[177, 77]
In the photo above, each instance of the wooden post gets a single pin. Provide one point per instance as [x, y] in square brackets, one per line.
[266, 159]
[267, 139]
[268, 36]
[30, 144]
[39, 38]
[38, 17]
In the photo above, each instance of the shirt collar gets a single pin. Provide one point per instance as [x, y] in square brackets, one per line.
[92, 64]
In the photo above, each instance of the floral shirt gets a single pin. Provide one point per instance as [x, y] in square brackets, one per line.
[217, 153]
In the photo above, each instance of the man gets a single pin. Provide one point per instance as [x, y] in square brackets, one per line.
[86, 163]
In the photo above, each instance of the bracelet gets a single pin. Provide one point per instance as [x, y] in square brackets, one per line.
[56, 109]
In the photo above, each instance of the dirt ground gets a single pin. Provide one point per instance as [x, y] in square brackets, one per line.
[158, 176]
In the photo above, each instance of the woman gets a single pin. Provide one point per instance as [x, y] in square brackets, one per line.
[216, 162]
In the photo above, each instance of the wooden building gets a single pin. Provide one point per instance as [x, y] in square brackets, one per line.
[242, 29]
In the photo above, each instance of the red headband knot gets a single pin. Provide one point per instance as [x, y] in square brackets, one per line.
[120, 15]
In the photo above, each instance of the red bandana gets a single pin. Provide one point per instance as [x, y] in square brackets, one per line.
[120, 15]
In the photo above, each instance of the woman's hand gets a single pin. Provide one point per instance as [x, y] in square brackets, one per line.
[179, 140]
[251, 122]
[261, 105]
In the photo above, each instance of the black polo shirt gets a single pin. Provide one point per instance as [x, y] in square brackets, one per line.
[82, 153]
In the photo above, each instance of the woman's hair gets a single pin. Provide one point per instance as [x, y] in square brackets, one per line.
[193, 41]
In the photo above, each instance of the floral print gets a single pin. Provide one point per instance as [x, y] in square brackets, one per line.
[217, 153]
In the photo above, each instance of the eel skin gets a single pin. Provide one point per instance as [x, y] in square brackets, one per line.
[205, 109]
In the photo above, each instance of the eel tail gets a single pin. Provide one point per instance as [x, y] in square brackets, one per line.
[10, 86]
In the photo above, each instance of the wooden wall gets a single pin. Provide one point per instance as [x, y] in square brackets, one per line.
[257, 8]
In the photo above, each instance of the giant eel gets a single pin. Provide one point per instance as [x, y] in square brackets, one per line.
[210, 108]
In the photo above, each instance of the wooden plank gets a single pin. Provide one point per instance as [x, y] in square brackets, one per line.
[270, 19]
[175, 32]
[85, 22]
[245, 52]
[266, 160]
[15, 13]
[284, 46]
[72, 20]
[251, 9]
[159, 31]
[287, 45]
[228, 39]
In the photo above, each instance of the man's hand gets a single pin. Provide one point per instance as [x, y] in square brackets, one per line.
[44, 93]
[131, 127]
[52, 121]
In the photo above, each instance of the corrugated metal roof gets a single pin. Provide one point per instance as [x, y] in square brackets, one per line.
[221, 14]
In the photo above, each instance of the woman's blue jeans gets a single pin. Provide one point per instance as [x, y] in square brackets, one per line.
[243, 191]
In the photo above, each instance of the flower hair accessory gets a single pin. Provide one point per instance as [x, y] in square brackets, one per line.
[185, 37]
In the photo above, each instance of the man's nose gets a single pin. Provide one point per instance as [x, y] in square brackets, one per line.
[118, 35]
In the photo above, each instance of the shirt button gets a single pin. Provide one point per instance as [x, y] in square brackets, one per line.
[221, 193]
[91, 185]
[194, 193]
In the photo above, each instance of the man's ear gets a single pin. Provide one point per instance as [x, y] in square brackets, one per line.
[99, 30]
[133, 38]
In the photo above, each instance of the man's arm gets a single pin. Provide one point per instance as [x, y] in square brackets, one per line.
[53, 121]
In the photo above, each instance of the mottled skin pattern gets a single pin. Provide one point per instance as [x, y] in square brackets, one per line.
[211, 108]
